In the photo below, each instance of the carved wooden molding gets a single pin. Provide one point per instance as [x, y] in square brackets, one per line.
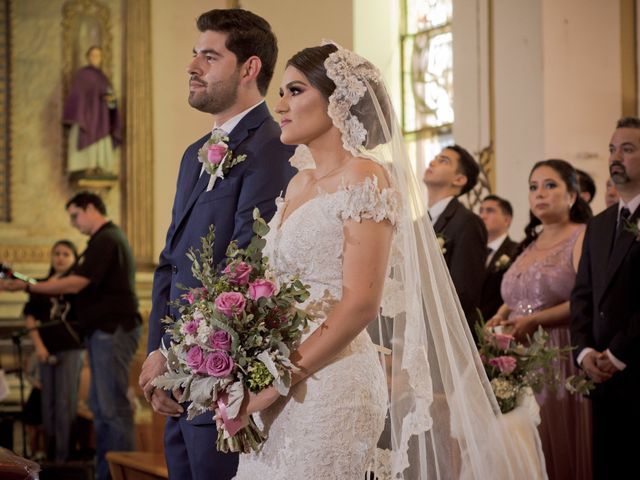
[25, 253]
[137, 217]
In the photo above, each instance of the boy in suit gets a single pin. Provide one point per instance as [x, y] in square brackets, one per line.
[496, 213]
[462, 234]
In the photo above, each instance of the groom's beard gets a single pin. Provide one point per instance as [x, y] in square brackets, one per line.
[618, 173]
[217, 96]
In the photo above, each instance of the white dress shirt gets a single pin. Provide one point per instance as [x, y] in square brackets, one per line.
[436, 210]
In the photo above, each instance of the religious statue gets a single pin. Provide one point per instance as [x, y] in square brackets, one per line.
[91, 112]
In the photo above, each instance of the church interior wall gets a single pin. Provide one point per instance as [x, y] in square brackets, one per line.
[554, 91]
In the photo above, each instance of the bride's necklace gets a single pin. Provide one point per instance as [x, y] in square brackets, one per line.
[333, 170]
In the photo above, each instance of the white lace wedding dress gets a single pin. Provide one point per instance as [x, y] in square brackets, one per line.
[329, 424]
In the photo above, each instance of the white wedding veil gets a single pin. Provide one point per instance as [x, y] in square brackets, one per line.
[444, 421]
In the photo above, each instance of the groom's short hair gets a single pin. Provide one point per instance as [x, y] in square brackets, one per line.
[247, 35]
[628, 122]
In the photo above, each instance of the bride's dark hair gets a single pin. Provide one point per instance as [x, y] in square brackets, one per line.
[310, 62]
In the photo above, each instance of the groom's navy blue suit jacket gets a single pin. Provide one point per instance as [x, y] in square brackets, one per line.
[256, 182]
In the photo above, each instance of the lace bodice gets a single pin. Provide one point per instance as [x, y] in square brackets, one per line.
[309, 242]
[330, 423]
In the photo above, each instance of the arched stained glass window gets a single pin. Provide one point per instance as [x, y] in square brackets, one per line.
[427, 77]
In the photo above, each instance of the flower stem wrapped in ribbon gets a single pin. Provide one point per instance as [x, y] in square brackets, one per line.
[235, 334]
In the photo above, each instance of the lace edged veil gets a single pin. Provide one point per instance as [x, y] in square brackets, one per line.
[444, 421]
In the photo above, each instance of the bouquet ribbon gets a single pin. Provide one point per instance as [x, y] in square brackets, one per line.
[231, 425]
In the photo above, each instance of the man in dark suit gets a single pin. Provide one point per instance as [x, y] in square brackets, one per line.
[605, 312]
[232, 66]
[461, 233]
[496, 213]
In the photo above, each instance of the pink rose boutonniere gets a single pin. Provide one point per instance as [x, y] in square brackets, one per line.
[217, 158]
[216, 153]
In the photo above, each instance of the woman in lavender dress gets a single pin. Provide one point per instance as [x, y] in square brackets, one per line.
[536, 291]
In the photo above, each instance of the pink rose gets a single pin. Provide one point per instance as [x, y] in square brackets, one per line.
[191, 327]
[230, 302]
[502, 340]
[195, 358]
[220, 340]
[190, 298]
[215, 153]
[217, 364]
[238, 274]
[261, 288]
[505, 364]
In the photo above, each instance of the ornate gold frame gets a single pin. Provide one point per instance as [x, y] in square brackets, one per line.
[73, 12]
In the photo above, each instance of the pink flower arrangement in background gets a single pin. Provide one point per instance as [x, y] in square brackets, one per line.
[514, 368]
[505, 364]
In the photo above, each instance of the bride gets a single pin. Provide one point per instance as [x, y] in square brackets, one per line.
[418, 405]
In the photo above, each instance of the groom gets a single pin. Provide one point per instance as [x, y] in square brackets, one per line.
[233, 62]
[605, 312]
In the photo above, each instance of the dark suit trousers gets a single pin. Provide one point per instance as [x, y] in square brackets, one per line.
[616, 429]
[203, 463]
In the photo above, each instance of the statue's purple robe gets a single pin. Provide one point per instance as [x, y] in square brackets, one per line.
[87, 107]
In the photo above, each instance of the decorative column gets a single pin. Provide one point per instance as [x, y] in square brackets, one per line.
[137, 178]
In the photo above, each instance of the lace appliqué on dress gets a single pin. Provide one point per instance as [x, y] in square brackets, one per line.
[364, 201]
[302, 158]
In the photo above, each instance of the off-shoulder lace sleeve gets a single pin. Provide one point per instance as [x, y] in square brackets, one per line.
[365, 201]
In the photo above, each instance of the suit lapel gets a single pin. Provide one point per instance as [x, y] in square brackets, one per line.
[491, 268]
[621, 248]
[446, 215]
[251, 121]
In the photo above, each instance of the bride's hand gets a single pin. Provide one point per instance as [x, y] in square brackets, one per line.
[256, 402]
[252, 403]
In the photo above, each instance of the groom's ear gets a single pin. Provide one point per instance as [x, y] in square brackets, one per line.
[250, 70]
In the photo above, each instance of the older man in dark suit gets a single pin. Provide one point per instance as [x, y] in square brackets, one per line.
[496, 213]
[461, 233]
[233, 62]
[605, 312]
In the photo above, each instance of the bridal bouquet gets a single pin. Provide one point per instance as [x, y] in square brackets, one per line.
[513, 367]
[235, 333]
